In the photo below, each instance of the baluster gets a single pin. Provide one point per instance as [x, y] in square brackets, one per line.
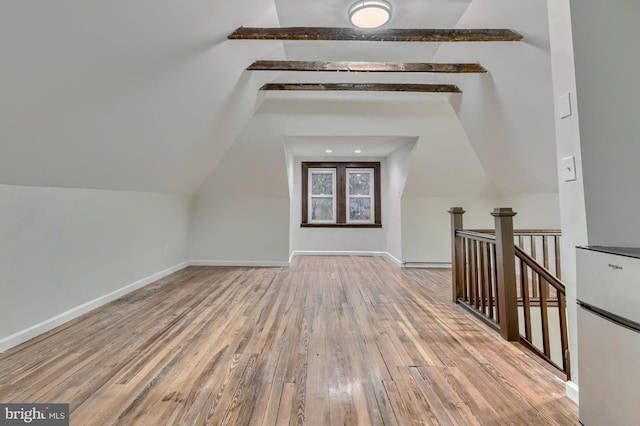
[545, 252]
[483, 281]
[534, 277]
[495, 281]
[556, 244]
[469, 275]
[544, 315]
[474, 274]
[493, 285]
[526, 301]
[564, 339]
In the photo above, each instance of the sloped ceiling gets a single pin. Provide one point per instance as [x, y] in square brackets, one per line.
[345, 118]
[151, 96]
[121, 94]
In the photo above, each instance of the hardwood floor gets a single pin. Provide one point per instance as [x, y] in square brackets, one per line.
[328, 341]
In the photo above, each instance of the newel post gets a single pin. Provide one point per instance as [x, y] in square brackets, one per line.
[457, 253]
[506, 271]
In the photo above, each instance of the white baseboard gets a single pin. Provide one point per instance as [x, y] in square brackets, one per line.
[394, 259]
[337, 253]
[386, 254]
[254, 263]
[572, 392]
[426, 264]
[40, 328]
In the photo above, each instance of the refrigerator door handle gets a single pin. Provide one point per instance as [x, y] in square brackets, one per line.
[609, 316]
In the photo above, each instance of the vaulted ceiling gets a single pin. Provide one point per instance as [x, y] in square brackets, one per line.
[151, 95]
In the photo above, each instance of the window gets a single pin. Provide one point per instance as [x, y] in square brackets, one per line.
[341, 194]
[322, 195]
[360, 197]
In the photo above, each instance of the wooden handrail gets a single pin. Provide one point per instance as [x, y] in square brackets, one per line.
[533, 264]
[476, 236]
[523, 232]
[526, 232]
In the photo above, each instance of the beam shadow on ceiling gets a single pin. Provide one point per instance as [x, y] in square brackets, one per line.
[395, 34]
[349, 66]
[364, 87]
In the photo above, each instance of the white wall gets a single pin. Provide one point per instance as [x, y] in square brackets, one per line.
[336, 239]
[607, 63]
[243, 230]
[241, 211]
[602, 209]
[426, 222]
[62, 248]
[397, 171]
[572, 204]
[256, 171]
[507, 111]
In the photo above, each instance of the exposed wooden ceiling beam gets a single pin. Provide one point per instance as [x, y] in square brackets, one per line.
[349, 66]
[394, 34]
[364, 87]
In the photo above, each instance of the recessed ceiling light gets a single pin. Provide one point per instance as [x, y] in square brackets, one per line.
[370, 13]
[358, 151]
[328, 151]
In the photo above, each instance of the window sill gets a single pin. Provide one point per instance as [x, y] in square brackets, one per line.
[341, 225]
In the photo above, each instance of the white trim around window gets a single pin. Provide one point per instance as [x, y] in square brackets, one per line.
[360, 199]
[323, 200]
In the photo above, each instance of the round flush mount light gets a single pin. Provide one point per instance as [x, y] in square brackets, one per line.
[370, 13]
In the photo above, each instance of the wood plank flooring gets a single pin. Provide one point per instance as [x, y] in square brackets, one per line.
[328, 341]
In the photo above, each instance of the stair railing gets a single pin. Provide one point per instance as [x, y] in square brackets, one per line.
[500, 276]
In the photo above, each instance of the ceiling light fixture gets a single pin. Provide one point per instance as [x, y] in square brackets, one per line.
[328, 151]
[370, 13]
[358, 151]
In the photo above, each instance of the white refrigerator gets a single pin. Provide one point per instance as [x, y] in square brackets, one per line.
[608, 296]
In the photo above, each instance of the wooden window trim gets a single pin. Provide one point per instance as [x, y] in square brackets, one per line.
[341, 215]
